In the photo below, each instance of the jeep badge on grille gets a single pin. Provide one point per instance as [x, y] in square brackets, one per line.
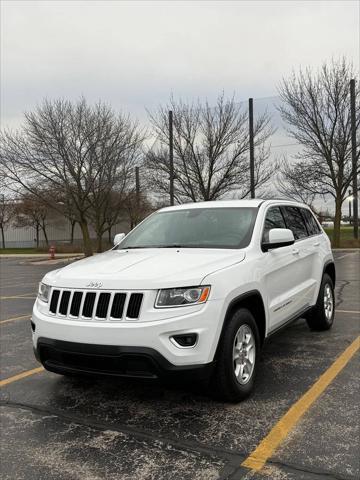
[94, 285]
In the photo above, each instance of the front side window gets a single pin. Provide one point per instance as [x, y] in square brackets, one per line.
[295, 222]
[194, 228]
[273, 219]
[311, 223]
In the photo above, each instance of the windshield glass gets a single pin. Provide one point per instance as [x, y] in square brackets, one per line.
[194, 228]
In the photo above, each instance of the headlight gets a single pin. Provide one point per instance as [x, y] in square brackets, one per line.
[44, 292]
[180, 297]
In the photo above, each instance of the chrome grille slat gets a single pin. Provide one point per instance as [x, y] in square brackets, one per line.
[134, 305]
[95, 305]
[64, 302]
[54, 301]
[102, 305]
[117, 308]
[76, 303]
[89, 303]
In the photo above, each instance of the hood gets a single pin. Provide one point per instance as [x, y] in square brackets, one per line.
[144, 268]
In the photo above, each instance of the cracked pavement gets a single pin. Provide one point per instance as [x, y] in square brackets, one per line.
[53, 427]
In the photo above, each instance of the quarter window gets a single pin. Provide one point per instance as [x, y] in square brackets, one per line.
[273, 219]
[295, 222]
[311, 223]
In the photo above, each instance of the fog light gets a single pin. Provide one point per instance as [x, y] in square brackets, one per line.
[186, 340]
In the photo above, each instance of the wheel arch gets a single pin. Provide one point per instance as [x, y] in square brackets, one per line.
[253, 302]
[329, 268]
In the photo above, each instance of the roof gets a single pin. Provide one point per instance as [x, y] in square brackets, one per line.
[255, 202]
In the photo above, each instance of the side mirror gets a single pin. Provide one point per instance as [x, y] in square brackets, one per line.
[278, 237]
[118, 237]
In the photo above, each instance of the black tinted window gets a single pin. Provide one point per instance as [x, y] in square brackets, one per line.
[273, 219]
[294, 221]
[311, 223]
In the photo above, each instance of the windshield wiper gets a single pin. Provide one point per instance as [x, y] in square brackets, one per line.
[172, 245]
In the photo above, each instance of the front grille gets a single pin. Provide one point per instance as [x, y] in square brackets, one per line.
[134, 305]
[89, 305]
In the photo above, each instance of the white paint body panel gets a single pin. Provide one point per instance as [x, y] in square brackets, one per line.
[287, 278]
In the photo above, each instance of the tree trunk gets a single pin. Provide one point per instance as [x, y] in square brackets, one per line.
[337, 222]
[37, 236]
[73, 223]
[45, 234]
[87, 246]
[2, 236]
[109, 233]
[99, 243]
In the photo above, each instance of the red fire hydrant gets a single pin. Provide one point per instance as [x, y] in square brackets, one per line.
[52, 252]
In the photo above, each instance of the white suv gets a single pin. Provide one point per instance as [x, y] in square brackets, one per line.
[194, 288]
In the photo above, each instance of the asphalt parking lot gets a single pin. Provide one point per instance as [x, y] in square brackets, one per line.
[58, 428]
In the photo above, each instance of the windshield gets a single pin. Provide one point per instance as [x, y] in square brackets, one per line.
[194, 228]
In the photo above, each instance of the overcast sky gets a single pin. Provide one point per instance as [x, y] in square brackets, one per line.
[134, 54]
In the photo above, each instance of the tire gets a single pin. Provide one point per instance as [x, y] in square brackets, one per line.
[321, 316]
[227, 383]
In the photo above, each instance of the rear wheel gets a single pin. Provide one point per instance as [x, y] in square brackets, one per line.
[237, 358]
[321, 316]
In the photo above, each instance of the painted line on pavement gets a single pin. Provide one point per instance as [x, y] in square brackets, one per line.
[20, 376]
[347, 311]
[266, 448]
[346, 255]
[8, 320]
[19, 285]
[25, 295]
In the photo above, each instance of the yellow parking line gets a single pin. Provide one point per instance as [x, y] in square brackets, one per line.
[20, 376]
[22, 317]
[257, 459]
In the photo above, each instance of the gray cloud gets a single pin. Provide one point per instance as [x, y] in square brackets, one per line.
[134, 54]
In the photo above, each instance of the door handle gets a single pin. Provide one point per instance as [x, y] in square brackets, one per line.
[295, 251]
[316, 244]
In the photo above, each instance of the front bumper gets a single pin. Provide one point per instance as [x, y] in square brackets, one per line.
[111, 360]
[130, 336]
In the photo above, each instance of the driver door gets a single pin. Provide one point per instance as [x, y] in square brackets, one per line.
[280, 275]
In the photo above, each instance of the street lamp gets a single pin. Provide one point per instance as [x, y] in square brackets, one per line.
[350, 199]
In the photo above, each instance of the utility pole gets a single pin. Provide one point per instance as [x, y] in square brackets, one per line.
[354, 160]
[251, 144]
[171, 157]
[350, 199]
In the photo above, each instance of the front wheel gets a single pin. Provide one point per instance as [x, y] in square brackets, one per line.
[237, 358]
[321, 316]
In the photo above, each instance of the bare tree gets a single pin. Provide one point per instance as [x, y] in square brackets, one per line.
[211, 146]
[30, 211]
[287, 184]
[6, 215]
[115, 177]
[316, 108]
[137, 207]
[66, 147]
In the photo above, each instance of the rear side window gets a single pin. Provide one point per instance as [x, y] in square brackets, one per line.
[273, 219]
[311, 223]
[295, 222]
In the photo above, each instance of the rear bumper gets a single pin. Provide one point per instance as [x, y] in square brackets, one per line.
[111, 360]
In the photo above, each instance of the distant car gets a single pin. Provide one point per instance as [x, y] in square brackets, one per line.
[194, 288]
[328, 224]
